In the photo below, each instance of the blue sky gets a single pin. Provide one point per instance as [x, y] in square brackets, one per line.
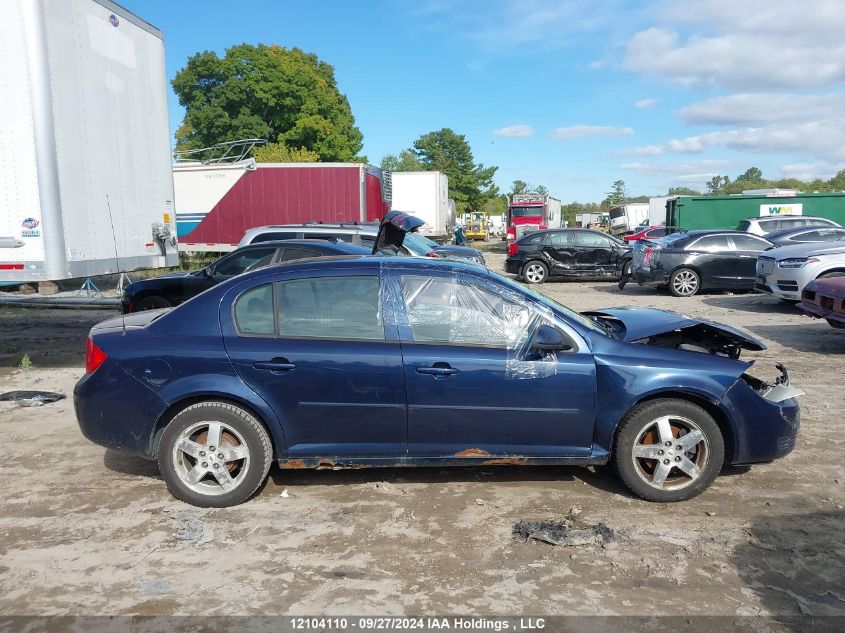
[572, 94]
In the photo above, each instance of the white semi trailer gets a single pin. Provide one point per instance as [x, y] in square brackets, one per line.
[85, 165]
[425, 194]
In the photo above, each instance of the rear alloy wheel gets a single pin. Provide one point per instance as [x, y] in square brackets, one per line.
[535, 272]
[684, 282]
[152, 303]
[668, 450]
[214, 454]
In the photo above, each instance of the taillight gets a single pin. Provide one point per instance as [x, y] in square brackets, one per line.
[513, 248]
[511, 235]
[648, 254]
[94, 357]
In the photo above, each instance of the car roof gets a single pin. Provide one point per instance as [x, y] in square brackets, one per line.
[786, 216]
[347, 247]
[796, 230]
[315, 225]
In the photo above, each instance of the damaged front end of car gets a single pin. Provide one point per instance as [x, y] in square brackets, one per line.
[765, 413]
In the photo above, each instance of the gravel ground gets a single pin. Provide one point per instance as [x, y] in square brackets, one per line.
[88, 531]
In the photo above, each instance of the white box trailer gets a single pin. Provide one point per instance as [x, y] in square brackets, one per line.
[625, 218]
[425, 194]
[85, 163]
[553, 209]
[657, 209]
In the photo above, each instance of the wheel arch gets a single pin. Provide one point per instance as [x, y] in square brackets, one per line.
[146, 294]
[709, 405]
[180, 405]
[837, 269]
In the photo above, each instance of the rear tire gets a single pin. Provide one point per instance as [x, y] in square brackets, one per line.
[154, 302]
[214, 455]
[535, 272]
[684, 282]
[648, 460]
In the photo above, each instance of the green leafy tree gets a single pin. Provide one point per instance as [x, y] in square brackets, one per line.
[406, 161]
[618, 194]
[716, 184]
[519, 186]
[752, 174]
[470, 183]
[284, 95]
[281, 153]
[542, 190]
[682, 191]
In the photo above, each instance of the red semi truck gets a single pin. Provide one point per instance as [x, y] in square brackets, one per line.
[216, 203]
[531, 212]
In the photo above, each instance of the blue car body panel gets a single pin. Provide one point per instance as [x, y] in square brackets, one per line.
[360, 402]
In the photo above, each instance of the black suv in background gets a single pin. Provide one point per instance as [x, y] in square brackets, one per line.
[541, 255]
[175, 288]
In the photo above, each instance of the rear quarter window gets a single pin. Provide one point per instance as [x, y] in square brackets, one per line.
[254, 311]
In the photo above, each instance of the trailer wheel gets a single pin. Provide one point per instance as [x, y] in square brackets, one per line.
[154, 302]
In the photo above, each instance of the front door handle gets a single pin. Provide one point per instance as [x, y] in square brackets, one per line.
[275, 365]
[438, 369]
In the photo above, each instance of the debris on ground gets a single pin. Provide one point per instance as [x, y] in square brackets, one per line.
[383, 486]
[28, 398]
[564, 533]
[285, 493]
[480, 502]
[192, 527]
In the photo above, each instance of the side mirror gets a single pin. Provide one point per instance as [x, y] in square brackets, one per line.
[208, 271]
[549, 339]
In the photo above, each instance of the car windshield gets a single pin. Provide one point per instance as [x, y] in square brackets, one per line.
[551, 303]
[527, 212]
[416, 244]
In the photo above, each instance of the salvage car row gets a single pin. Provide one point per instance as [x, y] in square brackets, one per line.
[782, 263]
[358, 360]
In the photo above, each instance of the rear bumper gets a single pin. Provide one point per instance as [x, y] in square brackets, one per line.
[513, 266]
[117, 411]
[649, 276]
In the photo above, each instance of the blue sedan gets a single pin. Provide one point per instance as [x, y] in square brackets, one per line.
[349, 362]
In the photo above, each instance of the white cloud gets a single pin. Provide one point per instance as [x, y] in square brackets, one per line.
[823, 139]
[676, 167]
[783, 44]
[514, 131]
[645, 104]
[811, 171]
[762, 108]
[591, 131]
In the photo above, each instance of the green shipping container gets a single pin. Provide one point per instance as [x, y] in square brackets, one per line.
[726, 212]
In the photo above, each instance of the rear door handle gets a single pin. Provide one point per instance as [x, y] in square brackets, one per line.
[439, 369]
[275, 365]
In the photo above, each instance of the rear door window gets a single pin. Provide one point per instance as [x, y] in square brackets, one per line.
[562, 238]
[749, 243]
[711, 244]
[534, 238]
[297, 252]
[331, 307]
[792, 223]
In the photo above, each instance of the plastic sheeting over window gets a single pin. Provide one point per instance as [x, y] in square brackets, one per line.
[254, 311]
[470, 311]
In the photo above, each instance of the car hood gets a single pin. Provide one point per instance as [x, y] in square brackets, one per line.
[807, 250]
[392, 231]
[638, 324]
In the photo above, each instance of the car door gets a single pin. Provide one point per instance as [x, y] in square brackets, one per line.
[716, 258]
[748, 249]
[595, 253]
[474, 388]
[558, 249]
[315, 347]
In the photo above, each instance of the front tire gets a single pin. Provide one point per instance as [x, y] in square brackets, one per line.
[684, 282]
[668, 450]
[535, 272]
[214, 455]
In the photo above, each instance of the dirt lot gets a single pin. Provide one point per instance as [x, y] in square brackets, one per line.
[88, 531]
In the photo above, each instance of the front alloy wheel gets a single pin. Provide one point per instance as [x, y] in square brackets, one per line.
[668, 450]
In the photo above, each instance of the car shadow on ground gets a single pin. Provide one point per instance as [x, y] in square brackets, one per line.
[600, 478]
[130, 465]
[794, 565]
[812, 336]
[596, 477]
[752, 302]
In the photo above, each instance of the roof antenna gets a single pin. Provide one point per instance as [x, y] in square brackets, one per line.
[116, 257]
